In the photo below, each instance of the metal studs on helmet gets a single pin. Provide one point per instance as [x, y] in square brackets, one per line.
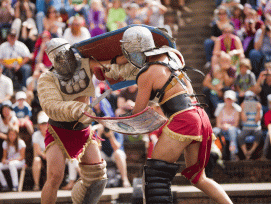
[135, 41]
[62, 57]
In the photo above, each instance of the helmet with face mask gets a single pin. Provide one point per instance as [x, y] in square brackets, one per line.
[62, 57]
[137, 44]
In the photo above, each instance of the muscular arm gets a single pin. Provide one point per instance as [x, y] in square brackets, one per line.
[144, 92]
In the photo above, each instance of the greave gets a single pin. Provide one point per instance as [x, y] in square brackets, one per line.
[157, 179]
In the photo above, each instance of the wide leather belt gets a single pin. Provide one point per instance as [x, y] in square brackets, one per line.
[68, 125]
[175, 104]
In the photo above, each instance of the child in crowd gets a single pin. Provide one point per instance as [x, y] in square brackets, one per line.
[217, 80]
[251, 116]
[13, 158]
[39, 148]
[245, 80]
[23, 112]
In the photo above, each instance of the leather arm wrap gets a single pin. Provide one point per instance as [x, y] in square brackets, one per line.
[53, 105]
[126, 71]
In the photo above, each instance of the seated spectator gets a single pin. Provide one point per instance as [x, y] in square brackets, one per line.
[112, 148]
[96, 18]
[237, 18]
[251, 24]
[39, 159]
[227, 123]
[73, 170]
[230, 44]
[263, 86]
[267, 123]
[23, 112]
[245, 80]
[39, 55]
[251, 116]
[53, 22]
[132, 14]
[180, 5]
[13, 158]
[262, 46]
[14, 55]
[79, 7]
[116, 16]
[6, 18]
[229, 4]
[155, 15]
[31, 92]
[6, 87]
[126, 100]
[215, 86]
[7, 119]
[76, 32]
[221, 18]
[24, 22]
[42, 6]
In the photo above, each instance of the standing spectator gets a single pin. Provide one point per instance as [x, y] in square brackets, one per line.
[39, 160]
[229, 43]
[6, 17]
[227, 123]
[76, 31]
[23, 112]
[14, 55]
[251, 116]
[24, 13]
[262, 46]
[216, 31]
[39, 55]
[263, 86]
[116, 16]
[7, 119]
[96, 18]
[53, 22]
[42, 7]
[267, 122]
[245, 80]
[79, 7]
[6, 87]
[13, 158]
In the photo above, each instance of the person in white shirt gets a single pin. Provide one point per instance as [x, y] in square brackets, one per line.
[39, 148]
[6, 86]
[76, 32]
[13, 158]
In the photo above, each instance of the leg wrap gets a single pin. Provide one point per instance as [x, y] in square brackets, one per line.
[157, 179]
[89, 188]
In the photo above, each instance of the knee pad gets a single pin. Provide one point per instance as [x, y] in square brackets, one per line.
[157, 179]
[89, 188]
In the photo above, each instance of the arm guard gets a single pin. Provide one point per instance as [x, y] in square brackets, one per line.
[126, 71]
[53, 105]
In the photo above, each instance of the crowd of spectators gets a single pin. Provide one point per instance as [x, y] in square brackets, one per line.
[238, 85]
[25, 27]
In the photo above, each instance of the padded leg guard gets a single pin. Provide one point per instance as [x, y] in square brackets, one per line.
[89, 188]
[157, 179]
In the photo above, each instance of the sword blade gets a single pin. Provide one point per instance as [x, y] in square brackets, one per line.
[101, 97]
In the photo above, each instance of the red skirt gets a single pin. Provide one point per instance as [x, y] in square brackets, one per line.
[192, 125]
[71, 142]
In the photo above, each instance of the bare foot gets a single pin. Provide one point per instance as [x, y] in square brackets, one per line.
[68, 186]
[126, 183]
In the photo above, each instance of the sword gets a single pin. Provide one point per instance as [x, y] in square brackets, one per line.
[101, 97]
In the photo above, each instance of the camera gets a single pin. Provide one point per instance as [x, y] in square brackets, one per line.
[106, 129]
[268, 28]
